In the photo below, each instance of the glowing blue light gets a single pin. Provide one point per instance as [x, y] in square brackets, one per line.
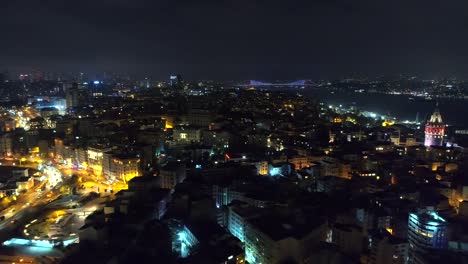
[33, 243]
[432, 225]
[198, 166]
[182, 236]
[69, 241]
[96, 82]
[437, 217]
[275, 171]
[249, 256]
[42, 243]
[59, 107]
[39, 250]
[17, 242]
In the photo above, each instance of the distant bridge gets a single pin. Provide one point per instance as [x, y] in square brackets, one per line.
[295, 83]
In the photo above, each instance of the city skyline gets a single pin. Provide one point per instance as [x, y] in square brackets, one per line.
[233, 132]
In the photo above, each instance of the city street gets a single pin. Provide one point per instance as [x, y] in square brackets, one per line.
[51, 210]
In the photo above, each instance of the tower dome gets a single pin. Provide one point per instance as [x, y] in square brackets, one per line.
[436, 117]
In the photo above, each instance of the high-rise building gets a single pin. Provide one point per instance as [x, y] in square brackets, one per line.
[435, 130]
[426, 231]
[72, 95]
[175, 80]
[6, 144]
[3, 76]
[81, 77]
[24, 77]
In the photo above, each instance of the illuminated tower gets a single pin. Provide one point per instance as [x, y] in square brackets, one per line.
[435, 129]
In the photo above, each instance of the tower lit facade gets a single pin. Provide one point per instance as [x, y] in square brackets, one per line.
[435, 130]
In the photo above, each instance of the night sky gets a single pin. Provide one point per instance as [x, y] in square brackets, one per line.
[236, 39]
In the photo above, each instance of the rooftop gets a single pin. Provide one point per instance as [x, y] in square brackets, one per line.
[280, 228]
[427, 215]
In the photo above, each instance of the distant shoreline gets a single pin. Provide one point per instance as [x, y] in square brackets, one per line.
[454, 110]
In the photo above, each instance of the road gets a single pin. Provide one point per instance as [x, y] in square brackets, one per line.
[25, 206]
[23, 217]
[92, 183]
[43, 227]
[36, 204]
[10, 161]
[25, 200]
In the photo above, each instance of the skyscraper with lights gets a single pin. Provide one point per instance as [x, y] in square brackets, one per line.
[175, 81]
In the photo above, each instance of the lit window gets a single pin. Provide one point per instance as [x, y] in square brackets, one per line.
[183, 135]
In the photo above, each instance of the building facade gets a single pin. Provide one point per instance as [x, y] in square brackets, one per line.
[272, 241]
[95, 159]
[171, 175]
[124, 168]
[426, 231]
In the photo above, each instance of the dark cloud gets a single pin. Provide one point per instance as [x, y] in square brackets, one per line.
[236, 39]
